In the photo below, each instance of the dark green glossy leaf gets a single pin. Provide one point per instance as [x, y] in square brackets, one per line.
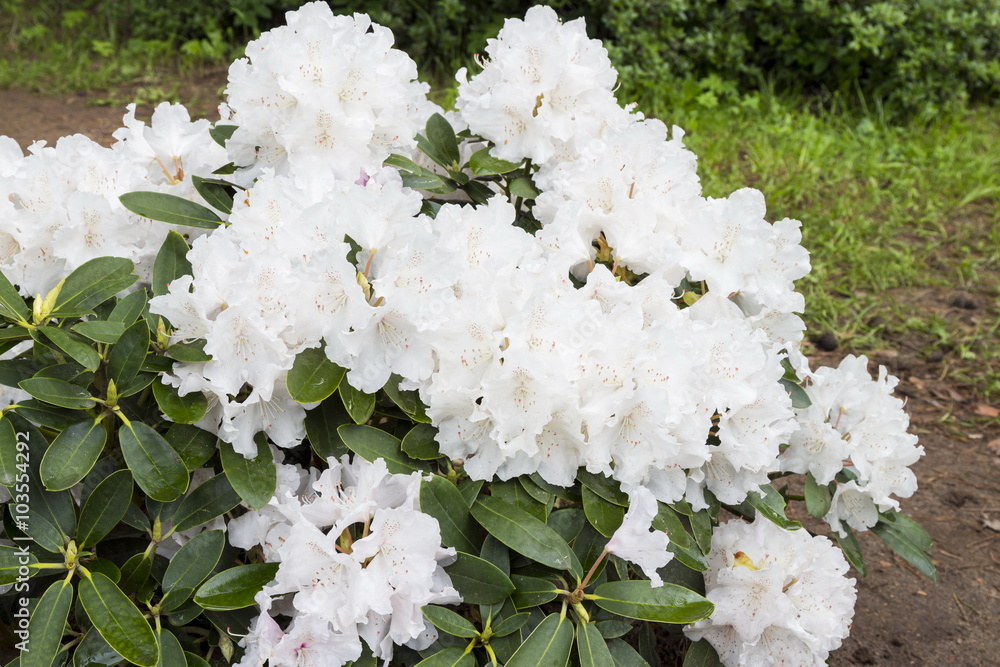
[371, 443]
[772, 505]
[800, 399]
[513, 493]
[899, 542]
[624, 655]
[478, 581]
[522, 532]
[419, 443]
[523, 187]
[118, 620]
[171, 262]
[442, 500]
[701, 654]
[909, 528]
[135, 572]
[194, 445]
[510, 624]
[12, 559]
[186, 409]
[470, 490]
[221, 133]
[192, 564]
[105, 507]
[818, 497]
[12, 305]
[253, 479]
[603, 486]
[155, 465]
[448, 621]
[567, 522]
[408, 401]
[613, 627]
[8, 453]
[439, 142]
[58, 392]
[170, 209]
[171, 653]
[549, 644]
[128, 354]
[216, 192]
[321, 428]
[591, 648]
[682, 545]
[193, 352]
[601, 514]
[79, 350]
[668, 603]
[313, 377]
[129, 308]
[93, 283]
[211, 499]
[45, 629]
[72, 454]
[236, 587]
[449, 657]
[358, 404]
[94, 651]
[100, 331]
[532, 591]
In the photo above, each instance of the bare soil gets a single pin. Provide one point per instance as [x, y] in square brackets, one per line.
[902, 618]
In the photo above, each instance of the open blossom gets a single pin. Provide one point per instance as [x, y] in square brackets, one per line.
[781, 597]
[343, 590]
[636, 542]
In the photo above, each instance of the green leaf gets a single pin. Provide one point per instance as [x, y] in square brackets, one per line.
[156, 466]
[171, 262]
[591, 647]
[523, 187]
[58, 392]
[11, 561]
[440, 143]
[470, 489]
[371, 443]
[419, 443]
[192, 564]
[510, 624]
[909, 528]
[100, 331]
[93, 283]
[46, 626]
[512, 492]
[638, 599]
[624, 655]
[613, 627]
[800, 399]
[211, 499]
[772, 505]
[253, 479]
[852, 550]
[72, 454]
[483, 164]
[186, 409]
[51, 516]
[194, 445]
[216, 192]
[682, 545]
[442, 500]
[522, 532]
[817, 497]
[449, 657]
[9, 453]
[170, 209]
[549, 645]
[448, 621]
[601, 514]
[93, 650]
[478, 192]
[478, 581]
[408, 401]
[313, 376]
[221, 133]
[701, 654]
[129, 308]
[701, 529]
[80, 351]
[135, 572]
[193, 352]
[236, 587]
[603, 486]
[12, 306]
[171, 653]
[321, 428]
[900, 541]
[105, 507]
[128, 354]
[532, 591]
[359, 405]
[117, 619]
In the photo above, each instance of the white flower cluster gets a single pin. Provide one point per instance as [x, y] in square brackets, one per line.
[324, 92]
[781, 597]
[855, 425]
[59, 205]
[339, 590]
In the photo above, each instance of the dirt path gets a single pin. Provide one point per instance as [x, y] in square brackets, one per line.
[902, 618]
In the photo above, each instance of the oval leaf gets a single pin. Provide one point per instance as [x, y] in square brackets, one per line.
[591, 647]
[171, 262]
[483, 164]
[549, 645]
[79, 350]
[448, 621]
[156, 466]
[236, 587]
[254, 480]
[442, 500]
[211, 499]
[91, 284]
[313, 376]
[449, 657]
[359, 405]
[45, 628]
[194, 445]
[118, 620]
[601, 514]
[193, 563]
[522, 532]
[477, 580]
[186, 409]
[105, 507]
[170, 209]
[371, 443]
[668, 603]
[128, 354]
[72, 454]
[58, 392]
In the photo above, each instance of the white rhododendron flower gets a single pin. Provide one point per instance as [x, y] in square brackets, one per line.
[855, 425]
[636, 542]
[358, 559]
[781, 597]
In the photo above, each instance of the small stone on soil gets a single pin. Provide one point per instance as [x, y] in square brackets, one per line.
[963, 301]
[827, 342]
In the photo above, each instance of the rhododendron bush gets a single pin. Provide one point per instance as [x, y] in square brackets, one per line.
[349, 378]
